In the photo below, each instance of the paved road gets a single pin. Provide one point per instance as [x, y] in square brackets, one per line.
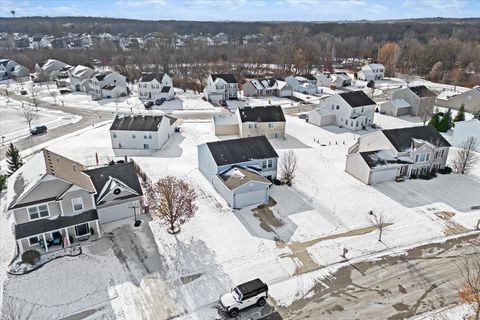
[89, 118]
[393, 288]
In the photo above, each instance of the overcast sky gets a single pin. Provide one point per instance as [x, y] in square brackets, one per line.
[245, 10]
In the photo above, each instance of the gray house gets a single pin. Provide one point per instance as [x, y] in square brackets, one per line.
[420, 99]
[56, 203]
[239, 169]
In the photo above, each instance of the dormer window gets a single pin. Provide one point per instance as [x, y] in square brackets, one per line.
[77, 204]
[37, 212]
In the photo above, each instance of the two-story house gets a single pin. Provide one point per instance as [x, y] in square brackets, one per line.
[420, 98]
[340, 79]
[108, 85]
[54, 201]
[406, 152]
[454, 99]
[352, 110]
[221, 87]
[153, 86]
[79, 78]
[266, 87]
[49, 70]
[305, 83]
[239, 169]
[371, 71]
[145, 132]
[263, 120]
[11, 69]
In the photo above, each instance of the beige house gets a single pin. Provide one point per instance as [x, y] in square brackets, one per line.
[453, 99]
[420, 98]
[265, 120]
[56, 203]
[406, 152]
[225, 125]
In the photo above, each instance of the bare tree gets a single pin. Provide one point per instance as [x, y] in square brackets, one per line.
[426, 113]
[465, 157]
[288, 167]
[35, 102]
[29, 114]
[54, 95]
[378, 221]
[173, 200]
[13, 309]
[470, 275]
[116, 100]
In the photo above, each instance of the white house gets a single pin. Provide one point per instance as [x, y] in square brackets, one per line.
[79, 78]
[470, 99]
[406, 152]
[239, 169]
[306, 83]
[266, 87]
[340, 79]
[464, 130]
[11, 69]
[145, 132]
[352, 110]
[50, 69]
[108, 85]
[371, 71]
[221, 87]
[323, 79]
[153, 86]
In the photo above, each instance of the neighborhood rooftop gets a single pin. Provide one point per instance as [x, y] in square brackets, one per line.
[422, 91]
[240, 150]
[382, 157]
[356, 98]
[262, 114]
[236, 177]
[228, 77]
[401, 138]
[149, 76]
[139, 122]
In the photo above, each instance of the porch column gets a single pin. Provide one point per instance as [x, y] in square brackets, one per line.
[45, 242]
[98, 228]
[67, 238]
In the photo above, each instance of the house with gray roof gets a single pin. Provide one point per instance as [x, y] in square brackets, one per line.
[264, 87]
[145, 132]
[262, 120]
[11, 69]
[55, 202]
[221, 87]
[108, 85]
[155, 85]
[239, 169]
[420, 98]
[406, 152]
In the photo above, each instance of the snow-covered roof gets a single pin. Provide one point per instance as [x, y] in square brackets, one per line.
[224, 120]
[81, 71]
[379, 158]
[373, 66]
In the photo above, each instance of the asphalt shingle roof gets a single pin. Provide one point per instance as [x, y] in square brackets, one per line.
[138, 123]
[149, 76]
[356, 98]
[401, 138]
[422, 91]
[262, 114]
[228, 77]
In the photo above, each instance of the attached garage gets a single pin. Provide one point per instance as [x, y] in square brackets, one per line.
[382, 175]
[249, 197]
[118, 212]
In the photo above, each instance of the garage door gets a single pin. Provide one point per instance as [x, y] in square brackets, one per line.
[121, 211]
[246, 199]
[384, 175]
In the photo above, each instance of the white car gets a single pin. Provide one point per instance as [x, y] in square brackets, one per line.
[251, 293]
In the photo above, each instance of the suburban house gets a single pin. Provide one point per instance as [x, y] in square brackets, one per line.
[352, 110]
[79, 78]
[225, 125]
[371, 71]
[221, 87]
[145, 132]
[406, 152]
[395, 107]
[239, 169]
[306, 83]
[263, 120]
[108, 85]
[266, 87]
[464, 130]
[63, 77]
[340, 79]
[470, 99]
[323, 79]
[153, 86]
[420, 99]
[49, 70]
[56, 202]
[11, 69]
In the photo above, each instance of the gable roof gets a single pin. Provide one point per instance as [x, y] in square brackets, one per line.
[109, 86]
[101, 76]
[241, 150]
[307, 76]
[236, 177]
[422, 91]
[228, 77]
[139, 122]
[261, 114]
[401, 138]
[149, 76]
[356, 98]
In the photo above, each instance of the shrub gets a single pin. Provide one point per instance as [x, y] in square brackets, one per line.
[30, 256]
[446, 170]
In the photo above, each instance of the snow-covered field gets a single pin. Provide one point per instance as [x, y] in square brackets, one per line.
[296, 246]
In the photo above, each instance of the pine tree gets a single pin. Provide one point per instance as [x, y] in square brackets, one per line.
[444, 124]
[434, 121]
[460, 116]
[14, 161]
[3, 181]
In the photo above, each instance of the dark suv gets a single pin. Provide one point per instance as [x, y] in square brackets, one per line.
[38, 130]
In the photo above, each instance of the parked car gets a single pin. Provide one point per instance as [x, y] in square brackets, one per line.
[159, 101]
[65, 91]
[148, 104]
[248, 294]
[38, 130]
[23, 92]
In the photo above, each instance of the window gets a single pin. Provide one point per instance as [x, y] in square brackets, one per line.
[149, 136]
[422, 157]
[119, 145]
[146, 146]
[338, 107]
[428, 157]
[77, 204]
[145, 136]
[264, 164]
[82, 230]
[133, 136]
[33, 240]
[270, 125]
[114, 134]
[38, 212]
[270, 163]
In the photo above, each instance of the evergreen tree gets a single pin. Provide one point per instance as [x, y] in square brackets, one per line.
[14, 161]
[460, 116]
[434, 121]
[444, 124]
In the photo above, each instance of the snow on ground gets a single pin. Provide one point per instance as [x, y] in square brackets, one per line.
[13, 125]
[460, 312]
[323, 213]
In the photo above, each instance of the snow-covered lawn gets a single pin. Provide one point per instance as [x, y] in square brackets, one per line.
[324, 212]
